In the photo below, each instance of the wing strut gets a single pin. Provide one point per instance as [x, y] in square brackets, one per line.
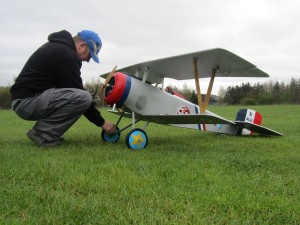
[196, 75]
[203, 106]
[211, 82]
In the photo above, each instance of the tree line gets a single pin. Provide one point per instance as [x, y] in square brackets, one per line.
[262, 94]
[244, 94]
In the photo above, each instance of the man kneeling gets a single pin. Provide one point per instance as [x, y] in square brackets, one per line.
[49, 88]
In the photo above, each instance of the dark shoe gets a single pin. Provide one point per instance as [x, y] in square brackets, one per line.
[61, 139]
[50, 144]
[42, 142]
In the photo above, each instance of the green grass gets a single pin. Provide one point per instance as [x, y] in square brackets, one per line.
[183, 177]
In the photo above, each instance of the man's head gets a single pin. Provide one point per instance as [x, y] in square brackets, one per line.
[169, 89]
[91, 40]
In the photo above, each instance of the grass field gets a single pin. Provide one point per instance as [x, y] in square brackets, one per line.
[183, 176]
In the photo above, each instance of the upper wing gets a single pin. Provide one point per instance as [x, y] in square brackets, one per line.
[181, 67]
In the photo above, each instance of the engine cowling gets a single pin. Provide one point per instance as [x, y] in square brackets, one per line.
[118, 89]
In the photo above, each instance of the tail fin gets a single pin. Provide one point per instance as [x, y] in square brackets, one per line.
[250, 116]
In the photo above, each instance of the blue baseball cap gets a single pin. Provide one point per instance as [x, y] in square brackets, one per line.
[93, 41]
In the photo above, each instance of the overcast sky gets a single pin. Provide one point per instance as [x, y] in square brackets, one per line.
[264, 32]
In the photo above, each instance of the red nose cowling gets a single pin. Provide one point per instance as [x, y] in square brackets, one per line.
[118, 89]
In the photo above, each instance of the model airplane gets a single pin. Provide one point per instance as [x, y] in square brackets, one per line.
[134, 93]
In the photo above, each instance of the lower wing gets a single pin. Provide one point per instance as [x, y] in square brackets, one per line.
[180, 118]
[185, 119]
[200, 119]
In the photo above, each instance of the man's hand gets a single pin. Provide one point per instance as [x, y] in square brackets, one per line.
[109, 128]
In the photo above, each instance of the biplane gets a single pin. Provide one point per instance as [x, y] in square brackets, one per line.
[138, 92]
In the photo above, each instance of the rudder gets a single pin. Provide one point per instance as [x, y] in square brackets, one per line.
[248, 115]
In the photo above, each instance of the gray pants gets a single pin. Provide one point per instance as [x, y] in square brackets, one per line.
[55, 110]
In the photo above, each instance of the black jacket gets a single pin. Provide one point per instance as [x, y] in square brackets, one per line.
[53, 65]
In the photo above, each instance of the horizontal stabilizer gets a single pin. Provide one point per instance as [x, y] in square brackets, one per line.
[257, 128]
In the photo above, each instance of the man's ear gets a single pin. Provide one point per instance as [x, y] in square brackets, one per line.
[82, 44]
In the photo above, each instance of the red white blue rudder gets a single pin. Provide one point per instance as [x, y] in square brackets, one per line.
[250, 116]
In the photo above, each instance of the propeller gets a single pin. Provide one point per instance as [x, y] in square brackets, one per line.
[108, 78]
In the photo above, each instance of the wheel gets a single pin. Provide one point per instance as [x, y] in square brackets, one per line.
[111, 137]
[136, 139]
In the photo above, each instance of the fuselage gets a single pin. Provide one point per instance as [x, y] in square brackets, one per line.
[145, 99]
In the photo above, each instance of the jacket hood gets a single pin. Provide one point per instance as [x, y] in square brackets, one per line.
[63, 37]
